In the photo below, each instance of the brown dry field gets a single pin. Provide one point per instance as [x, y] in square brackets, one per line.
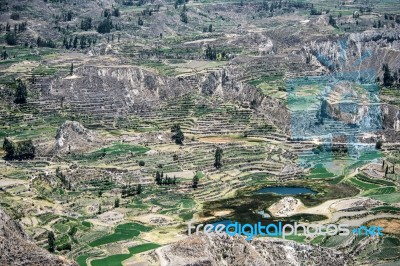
[390, 226]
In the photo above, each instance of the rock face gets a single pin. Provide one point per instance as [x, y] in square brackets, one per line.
[72, 136]
[115, 90]
[233, 251]
[285, 207]
[360, 51]
[16, 249]
[111, 92]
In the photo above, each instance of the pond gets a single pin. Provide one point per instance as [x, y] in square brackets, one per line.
[286, 190]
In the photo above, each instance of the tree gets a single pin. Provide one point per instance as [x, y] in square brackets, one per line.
[65, 43]
[332, 21]
[11, 38]
[116, 12]
[20, 150]
[61, 176]
[86, 24]
[141, 163]
[184, 17]
[218, 157]
[107, 13]
[71, 69]
[105, 26]
[140, 21]
[51, 240]
[177, 135]
[45, 43]
[195, 181]
[116, 203]
[139, 189]
[315, 12]
[387, 76]
[72, 231]
[211, 53]
[4, 55]
[9, 148]
[75, 45]
[20, 93]
[210, 28]
[158, 178]
[14, 16]
[83, 42]
[99, 210]
[378, 144]
[25, 150]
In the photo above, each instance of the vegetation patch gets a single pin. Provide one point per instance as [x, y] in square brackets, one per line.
[116, 260]
[121, 232]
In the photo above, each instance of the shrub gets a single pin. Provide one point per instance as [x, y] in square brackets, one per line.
[177, 135]
[19, 150]
[20, 93]
[11, 38]
[379, 144]
[105, 26]
[14, 16]
[86, 24]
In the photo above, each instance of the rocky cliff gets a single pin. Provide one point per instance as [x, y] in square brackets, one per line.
[16, 248]
[215, 250]
[117, 91]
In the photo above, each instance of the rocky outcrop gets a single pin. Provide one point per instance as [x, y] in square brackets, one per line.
[72, 137]
[111, 92]
[390, 117]
[236, 251]
[17, 250]
[224, 84]
[285, 207]
[359, 52]
[391, 122]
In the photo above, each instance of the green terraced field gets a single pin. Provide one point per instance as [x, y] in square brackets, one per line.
[116, 260]
[81, 260]
[122, 232]
[363, 185]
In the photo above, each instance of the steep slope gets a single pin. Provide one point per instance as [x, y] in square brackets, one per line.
[16, 249]
[215, 250]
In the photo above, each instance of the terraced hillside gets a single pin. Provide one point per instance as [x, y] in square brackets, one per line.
[121, 121]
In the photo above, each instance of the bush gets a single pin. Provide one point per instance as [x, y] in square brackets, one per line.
[177, 135]
[141, 163]
[14, 16]
[11, 38]
[105, 26]
[86, 24]
[20, 93]
[66, 246]
[72, 231]
[379, 144]
[20, 150]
